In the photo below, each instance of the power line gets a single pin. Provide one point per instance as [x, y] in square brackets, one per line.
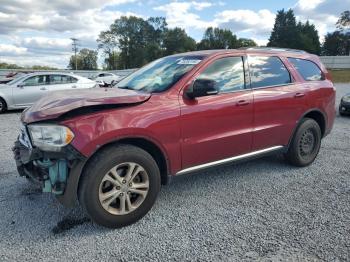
[75, 45]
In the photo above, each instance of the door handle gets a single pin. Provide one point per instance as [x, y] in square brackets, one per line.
[297, 95]
[242, 103]
[43, 88]
[74, 86]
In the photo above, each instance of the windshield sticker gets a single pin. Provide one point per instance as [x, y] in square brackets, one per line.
[189, 62]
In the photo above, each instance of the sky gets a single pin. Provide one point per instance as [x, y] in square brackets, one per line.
[38, 32]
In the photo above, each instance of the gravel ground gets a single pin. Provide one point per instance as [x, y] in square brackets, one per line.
[260, 210]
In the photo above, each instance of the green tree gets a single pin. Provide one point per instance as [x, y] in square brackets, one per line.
[309, 39]
[216, 38]
[288, 33]
[336, 43]
[86, 60]
[285, 32]
[245, 42]
[108, 43]
[344, 21]
[177, 41]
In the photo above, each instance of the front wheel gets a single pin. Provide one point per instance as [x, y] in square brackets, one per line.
[305, 144]
[3, 105]
[119, 186]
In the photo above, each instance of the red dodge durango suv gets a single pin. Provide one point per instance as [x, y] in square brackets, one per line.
[112, 149]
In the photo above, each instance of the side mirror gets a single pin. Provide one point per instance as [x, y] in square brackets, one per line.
[202, 87]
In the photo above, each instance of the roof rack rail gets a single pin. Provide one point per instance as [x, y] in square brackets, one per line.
[275, 49]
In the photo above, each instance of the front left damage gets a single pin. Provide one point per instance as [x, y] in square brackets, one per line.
[50, 169]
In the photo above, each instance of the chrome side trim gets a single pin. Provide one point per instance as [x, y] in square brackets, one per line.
[227, 160]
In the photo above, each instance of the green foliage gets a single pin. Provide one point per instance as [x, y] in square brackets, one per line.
[344, 21]
[34, 67]
[288, 33]
[177, 41]
[216, 38]
[132, 42]
[336, 43]
[86, 59]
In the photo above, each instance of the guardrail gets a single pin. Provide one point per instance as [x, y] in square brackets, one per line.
[331, 62]
[336, 62]
[85, 73]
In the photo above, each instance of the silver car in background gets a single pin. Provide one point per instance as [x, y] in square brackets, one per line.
[23, 91]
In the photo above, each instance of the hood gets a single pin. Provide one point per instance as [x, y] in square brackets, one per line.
[55, 104]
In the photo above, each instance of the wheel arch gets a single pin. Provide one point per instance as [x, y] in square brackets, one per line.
[70, 196]
[315, 114]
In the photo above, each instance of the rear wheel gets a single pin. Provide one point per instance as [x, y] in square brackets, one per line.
[3, 106]
[305, 144]
[119, 186]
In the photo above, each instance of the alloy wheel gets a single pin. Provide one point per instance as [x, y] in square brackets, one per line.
[124, 188]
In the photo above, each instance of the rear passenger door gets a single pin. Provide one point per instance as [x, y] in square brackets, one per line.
[62, 82]
[216, 127]
[279, 100]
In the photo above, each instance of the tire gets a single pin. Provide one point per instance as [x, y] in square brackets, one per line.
[305, 144]
[95, 185]
[3, 106]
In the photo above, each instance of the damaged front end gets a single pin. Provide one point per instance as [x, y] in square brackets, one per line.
[49, 165]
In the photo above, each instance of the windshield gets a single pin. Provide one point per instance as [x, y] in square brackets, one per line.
[17, 79]
[160, 75]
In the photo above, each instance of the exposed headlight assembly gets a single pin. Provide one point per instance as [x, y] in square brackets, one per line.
[50, 137]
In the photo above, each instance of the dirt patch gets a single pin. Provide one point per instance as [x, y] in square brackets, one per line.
[67, 224]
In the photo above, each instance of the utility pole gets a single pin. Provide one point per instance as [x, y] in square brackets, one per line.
[75, 50]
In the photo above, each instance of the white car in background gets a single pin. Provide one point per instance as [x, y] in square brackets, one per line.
[23, 91]
[104, 79]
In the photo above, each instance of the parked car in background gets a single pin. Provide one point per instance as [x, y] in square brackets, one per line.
[23, 91]
[112, 149]
[344, 107]
[107, 79]
[12, 75]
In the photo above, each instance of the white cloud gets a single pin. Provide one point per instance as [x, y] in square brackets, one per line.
[323, 13]
[308, 4]
[256, 23]
[11, 50]
[178, 14]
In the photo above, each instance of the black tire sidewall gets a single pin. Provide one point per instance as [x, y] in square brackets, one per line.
[4, 106]
[298, 159]
[95, 173]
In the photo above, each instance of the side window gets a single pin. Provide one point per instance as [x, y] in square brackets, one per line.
[36, 80]
[55, 79]
[228, 73]
[307, 69]
[61, 79]
[72, 79]
[267, 71]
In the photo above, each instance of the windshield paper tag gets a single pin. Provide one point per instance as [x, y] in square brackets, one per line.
[189, 61]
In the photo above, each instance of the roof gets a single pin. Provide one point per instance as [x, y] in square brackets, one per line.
[267, 50]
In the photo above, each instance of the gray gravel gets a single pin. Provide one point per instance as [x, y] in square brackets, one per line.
[260, 210]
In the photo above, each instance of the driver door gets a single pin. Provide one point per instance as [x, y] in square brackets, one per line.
[217, 127]
[30, 90]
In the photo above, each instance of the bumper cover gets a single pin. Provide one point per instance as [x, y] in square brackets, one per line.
[58, 172]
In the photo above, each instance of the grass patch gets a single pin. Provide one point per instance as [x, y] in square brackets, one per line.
[340, 76]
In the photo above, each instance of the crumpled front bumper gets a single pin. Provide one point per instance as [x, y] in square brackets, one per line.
[53, 170]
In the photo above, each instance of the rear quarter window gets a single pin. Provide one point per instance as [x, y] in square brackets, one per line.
[268, 71]
[307, 69]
